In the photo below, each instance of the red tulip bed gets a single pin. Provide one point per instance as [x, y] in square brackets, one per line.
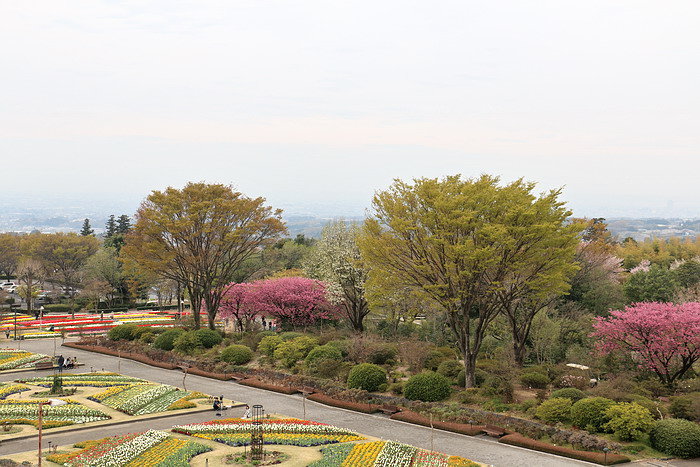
[82, 324]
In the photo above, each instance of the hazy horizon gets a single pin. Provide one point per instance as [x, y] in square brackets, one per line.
[316, 105]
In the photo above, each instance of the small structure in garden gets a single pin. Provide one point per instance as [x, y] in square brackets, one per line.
[256, 433]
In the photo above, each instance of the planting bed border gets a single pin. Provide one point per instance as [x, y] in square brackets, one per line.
[256, 383]
[356, 406]
[511, 438]
[418, 419]
[128, 355]
[519, 440]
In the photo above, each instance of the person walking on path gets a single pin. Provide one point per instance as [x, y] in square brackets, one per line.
[246, 414]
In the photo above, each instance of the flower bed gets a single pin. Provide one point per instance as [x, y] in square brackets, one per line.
[595, 457]
[11, 359]
[27, 412]
[386, 454]
[356, 406]
[417, 419]
[8, 389]
[290, 431]
[152, 448]
[133, 396]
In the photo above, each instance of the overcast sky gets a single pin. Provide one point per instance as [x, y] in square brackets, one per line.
[320, 103]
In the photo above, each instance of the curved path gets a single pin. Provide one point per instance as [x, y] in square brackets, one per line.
[478, 448]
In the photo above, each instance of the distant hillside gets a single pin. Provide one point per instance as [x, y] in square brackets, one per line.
[640, 229]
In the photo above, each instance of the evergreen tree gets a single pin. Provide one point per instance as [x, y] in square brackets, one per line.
[123, 224]
[110, 227]
[86, 231]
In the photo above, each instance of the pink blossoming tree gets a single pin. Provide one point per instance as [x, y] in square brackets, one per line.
[662, 337]
[297, 300]
[237, 303]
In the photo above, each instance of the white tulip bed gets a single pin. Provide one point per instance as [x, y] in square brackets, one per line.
[395, 454]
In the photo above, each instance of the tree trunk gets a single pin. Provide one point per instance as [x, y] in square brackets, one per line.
[469, 370]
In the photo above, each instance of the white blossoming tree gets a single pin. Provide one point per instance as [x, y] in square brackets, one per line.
[336, 261]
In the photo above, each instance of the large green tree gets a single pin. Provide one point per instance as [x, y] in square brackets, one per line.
[10, 253]
[462, 241]
[199, 236]
[63, 255]
[336, 261]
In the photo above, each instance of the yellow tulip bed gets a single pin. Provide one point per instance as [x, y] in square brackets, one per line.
[386, 454]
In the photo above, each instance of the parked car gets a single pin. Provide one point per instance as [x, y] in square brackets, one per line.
[7, 285]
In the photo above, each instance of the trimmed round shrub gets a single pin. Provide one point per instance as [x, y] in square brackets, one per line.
[268, 345]
[557, 409]
[434, 359]
[676, 437]
[323, 353]
[304, 344]
[166, 341]
[535, 380]
[208, 337]
[187, 343]
[287, 353]
[629, 421]
[237, 354]
[591, 413]
[427, 387]
[367, 376]
[125, 332]
[572, 394]
[450, 368]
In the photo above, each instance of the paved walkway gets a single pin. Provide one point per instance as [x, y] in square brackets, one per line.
[479, 448]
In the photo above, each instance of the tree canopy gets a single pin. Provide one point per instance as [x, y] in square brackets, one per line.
[462, 241]
[199, 236]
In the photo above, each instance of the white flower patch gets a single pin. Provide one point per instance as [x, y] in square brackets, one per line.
[395, 454]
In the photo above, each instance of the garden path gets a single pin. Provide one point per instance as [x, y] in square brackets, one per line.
[480, 448]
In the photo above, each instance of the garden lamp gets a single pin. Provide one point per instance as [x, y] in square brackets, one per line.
[52, 403]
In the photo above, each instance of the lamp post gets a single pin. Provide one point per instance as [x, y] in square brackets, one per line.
[605, 451]
[52, 403]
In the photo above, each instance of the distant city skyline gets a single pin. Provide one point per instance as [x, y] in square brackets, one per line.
[316, 105]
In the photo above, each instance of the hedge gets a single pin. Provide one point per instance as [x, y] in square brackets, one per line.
[595, 457]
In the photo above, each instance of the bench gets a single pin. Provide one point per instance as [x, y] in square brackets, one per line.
[389, 409]
[493, 430]
[238, 376]
[306, 390]
[43, 366]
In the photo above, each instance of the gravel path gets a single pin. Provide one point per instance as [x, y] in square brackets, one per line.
[479, 448]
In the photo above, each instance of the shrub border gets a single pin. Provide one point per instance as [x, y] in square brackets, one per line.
[516, 439]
